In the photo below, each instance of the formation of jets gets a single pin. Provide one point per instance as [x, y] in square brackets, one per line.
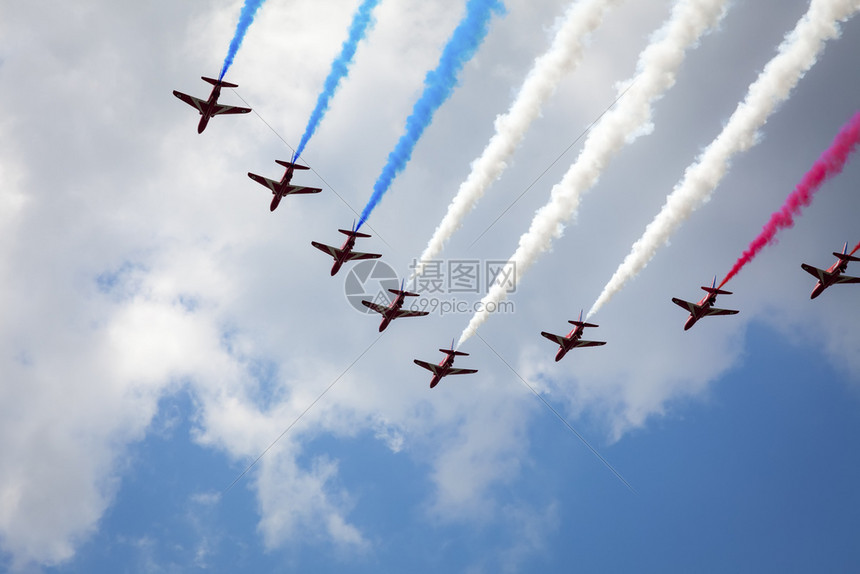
[210, 108]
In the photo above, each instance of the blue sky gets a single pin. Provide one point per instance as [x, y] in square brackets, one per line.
[758, 476]
[160, 327]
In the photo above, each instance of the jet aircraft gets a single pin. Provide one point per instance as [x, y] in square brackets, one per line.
[833, 274]
[573, 339]
[705, 307]
[445, 366]
[211, 108]
[283, 188]
[345, 253]
[394, 310]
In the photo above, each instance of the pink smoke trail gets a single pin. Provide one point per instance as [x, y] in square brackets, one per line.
[856, 247]
[828, 164]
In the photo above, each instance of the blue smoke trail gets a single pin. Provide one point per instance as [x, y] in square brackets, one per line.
[245, 18]
[439, 84]
[361, 21]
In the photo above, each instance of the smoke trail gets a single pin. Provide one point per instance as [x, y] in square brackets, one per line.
[655, 73]
[362, 20]
[830, 163]
[856, 247]
[797, 53]
[439, 84]
[568, 46]
[249, 10]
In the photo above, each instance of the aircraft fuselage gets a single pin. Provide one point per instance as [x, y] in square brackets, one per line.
[342, 257]
[700, 309]
[830, 276]
[391, 313]
[570, 340]
[280, 193]
[276, 200]
[445, 366]
[210, 107]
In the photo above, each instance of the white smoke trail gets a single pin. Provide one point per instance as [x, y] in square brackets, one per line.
[796, 55]
[656, 69]
[568, 46]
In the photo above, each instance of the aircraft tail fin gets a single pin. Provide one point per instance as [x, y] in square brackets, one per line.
[845, 256]
[353, 233]
[222, 83]
[290, 164]
[716, 291]
[405, 293]
[582, 324]
[455, 353]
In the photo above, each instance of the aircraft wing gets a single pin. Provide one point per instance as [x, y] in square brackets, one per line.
[589, 343]
[557, 339]
[196, 103]
[407, 313]
[294, 189]
[847, 279]
[429, 366]
[686, 305]
[715, 311]
[375, 306]
[333, 251]
[353, 255]
[456, 371]
[814, 271]
[224, 109]
[270, 183]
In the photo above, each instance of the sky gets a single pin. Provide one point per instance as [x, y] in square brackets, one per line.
[161, 327]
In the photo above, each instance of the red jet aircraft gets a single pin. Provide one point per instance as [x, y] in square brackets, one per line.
[705, 307]
[281, 189]
[394, 310]
[211, 108]
[445, 366]
[573, 339]
[834, 274]
[345, 253]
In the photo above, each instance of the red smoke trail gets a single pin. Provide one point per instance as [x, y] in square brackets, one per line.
[856, 247]
[828, 164]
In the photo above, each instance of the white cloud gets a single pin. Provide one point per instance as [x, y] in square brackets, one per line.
[137, 258]
[297, 504]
